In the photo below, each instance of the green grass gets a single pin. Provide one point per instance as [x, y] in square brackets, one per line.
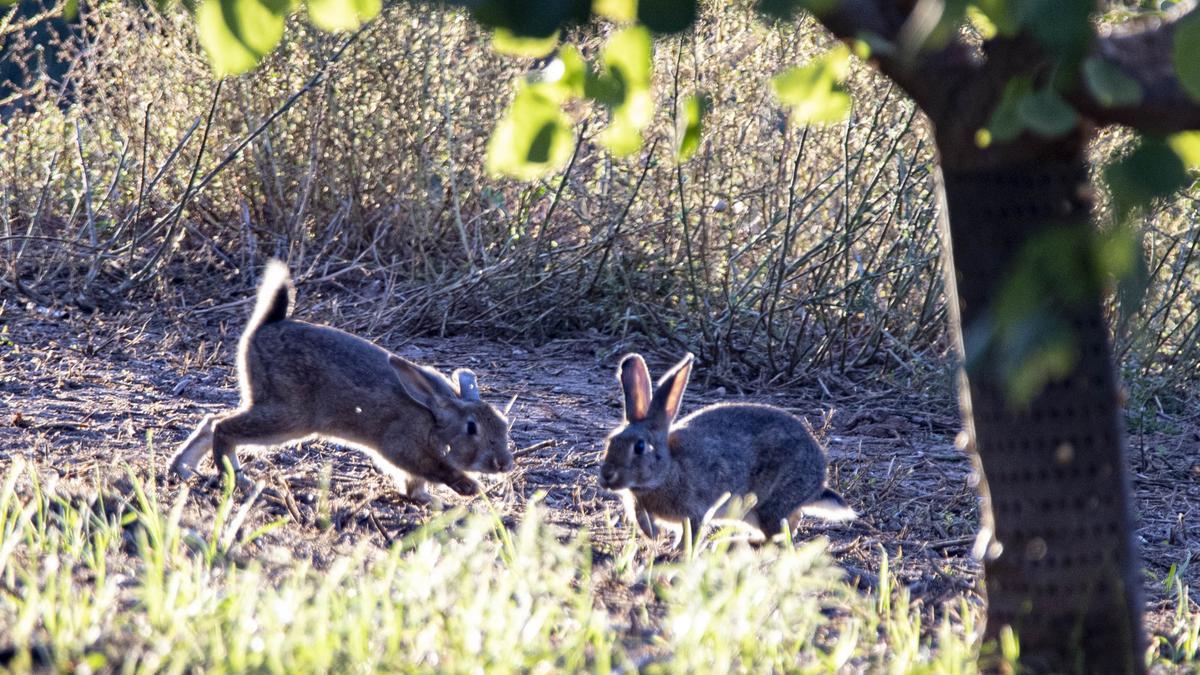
[87, 589]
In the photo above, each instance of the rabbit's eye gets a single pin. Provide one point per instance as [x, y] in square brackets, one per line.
[639, 447]
[471, 428]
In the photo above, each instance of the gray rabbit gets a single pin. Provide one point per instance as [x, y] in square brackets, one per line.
[758, 455]
[300, 380]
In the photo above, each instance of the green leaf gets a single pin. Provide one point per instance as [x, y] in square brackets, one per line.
[335, 15]
[1119, 253]
[782, 10]
[1047, 114]
[1006, 123]
[1023, 337]
[689, 126]
[625, 87]
[622, 137]
[667, 16]
[1044, 350]
[629, 56]
[575, 70]
[528, 18]
[998, 14]
[1109, 85]
[1055, 264]
[982, 23]
[566, 77]
[1186, 53]
[814, 92]
[621, 11]
[532, 139]
[953, 13]
[1186, 145]
[1151, 171]
[237, 33]
[507, 42]
[1062, 26]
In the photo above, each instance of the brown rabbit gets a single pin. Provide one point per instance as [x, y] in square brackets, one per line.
[300, 380]
[681, 470]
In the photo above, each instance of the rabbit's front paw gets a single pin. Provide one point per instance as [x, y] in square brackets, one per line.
[419, 497]
[182, 470]
[465, 486]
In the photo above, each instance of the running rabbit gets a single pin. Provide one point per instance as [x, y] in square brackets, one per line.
[757, 455]
[300, 380]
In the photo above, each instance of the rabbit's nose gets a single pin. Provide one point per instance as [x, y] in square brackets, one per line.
[608, 474]
[502, 464]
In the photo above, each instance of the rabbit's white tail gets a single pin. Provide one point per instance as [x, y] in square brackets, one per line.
[274, 296]
[829, 505]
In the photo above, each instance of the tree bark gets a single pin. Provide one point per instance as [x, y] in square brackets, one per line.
[1060, 563]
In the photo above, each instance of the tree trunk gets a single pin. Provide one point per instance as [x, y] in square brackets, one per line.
[1061, 567]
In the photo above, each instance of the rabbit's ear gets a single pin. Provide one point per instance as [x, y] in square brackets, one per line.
[635, 382]
[468, 388]
[428, 389]
[669, 393]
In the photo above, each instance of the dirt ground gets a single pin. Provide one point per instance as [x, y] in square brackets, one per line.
[87, 398]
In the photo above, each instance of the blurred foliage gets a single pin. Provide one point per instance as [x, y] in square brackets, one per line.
[1109, 85]
[689, 125]
[1006, 123]
[1185, 53]
[814, 93]
[237, 33]
[1152, 170]
[533, 137]
[1025, 338]
[506, 42]
[624, 85]
[336, 15]
[1046, 113]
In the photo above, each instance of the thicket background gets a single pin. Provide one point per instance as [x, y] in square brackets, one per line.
[776, 253]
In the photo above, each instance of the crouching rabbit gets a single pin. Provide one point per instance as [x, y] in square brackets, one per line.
[758, 457]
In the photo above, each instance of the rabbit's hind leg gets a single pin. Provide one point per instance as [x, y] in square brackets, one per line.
[192, 449]
[772, 522]
[256, 425]
[416, 489]
[774, 514]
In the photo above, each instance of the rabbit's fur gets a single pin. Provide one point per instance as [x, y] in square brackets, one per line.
[756, 457]
[300, 380]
